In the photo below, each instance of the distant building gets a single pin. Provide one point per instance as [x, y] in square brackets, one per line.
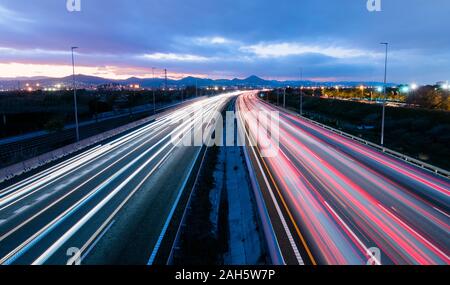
[110, 87]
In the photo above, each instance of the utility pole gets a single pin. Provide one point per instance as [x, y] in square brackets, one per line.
[75, 97]
[131, 99]
[278, 97]
[153, 89]
[301, 92]
[384, 93]
[165, 79]
[196, 88]
[165, 82]
[284, 97]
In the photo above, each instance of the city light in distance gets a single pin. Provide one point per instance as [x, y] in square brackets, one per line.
[404, 89]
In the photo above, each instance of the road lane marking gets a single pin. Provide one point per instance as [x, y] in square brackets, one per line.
[438, 250]
[36, 237]
[169, 218]
[61, 186]
[18, 251]
[67, 167]
[280, 214]
[43, 196]
[102, 233]
[22, 209]
[55, 246]
[366, 249]
[442, 212]
[70, 192]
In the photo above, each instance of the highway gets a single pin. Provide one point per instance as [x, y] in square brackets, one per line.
[333, 200]
[110, 204]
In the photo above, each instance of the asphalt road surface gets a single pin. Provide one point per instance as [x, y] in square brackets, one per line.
[336, 201]
[110, 204]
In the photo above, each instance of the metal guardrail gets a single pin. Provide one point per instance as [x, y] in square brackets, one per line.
[393, 153]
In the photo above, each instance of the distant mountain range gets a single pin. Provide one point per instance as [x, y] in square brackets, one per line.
[252, 81]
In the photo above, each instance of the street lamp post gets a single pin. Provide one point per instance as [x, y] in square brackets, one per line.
[284, 97]
[153, 89]
[301, 92]
[384, 93]
[278, 97]
[75, 96]
[196, 88]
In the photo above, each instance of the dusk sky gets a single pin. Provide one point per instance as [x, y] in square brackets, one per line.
[330, 39]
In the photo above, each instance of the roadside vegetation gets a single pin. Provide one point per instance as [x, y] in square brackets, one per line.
[22, 111]
[428, 97]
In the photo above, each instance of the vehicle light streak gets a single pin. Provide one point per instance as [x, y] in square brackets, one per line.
[87, 186]
[340, 193]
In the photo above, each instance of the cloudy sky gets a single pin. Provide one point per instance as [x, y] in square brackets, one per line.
[329, 39]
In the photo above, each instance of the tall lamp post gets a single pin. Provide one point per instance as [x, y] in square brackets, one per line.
[153, 89]
[384, 93]
[196, 88]
[278, 97]
[301, 92]
[75, 96]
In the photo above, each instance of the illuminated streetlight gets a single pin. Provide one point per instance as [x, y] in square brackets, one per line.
[301, 92]
[384, 92]
[75, 96]
[446, 86]
[404, 89]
